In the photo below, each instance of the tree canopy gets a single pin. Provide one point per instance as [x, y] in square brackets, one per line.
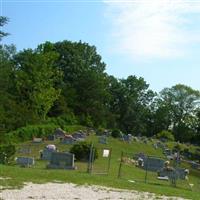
[68, 80]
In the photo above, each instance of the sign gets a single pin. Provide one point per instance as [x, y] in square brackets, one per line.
[106, 153]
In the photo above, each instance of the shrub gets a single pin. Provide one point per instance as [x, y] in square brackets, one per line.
[100, 131]
[63, 120]
[6, 152]
[177, 147]
[166, 135]
[116, 133]
[82, 151]
[28, 132]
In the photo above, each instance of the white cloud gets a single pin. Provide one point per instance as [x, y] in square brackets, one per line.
[153, 28]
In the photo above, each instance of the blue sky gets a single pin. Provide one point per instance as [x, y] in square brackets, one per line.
[158, 39]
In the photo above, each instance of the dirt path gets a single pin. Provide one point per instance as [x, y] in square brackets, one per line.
[70, 191]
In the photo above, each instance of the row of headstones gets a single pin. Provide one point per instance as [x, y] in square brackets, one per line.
[64, 137]
[130, 138]
[58, 160]
[157, 165]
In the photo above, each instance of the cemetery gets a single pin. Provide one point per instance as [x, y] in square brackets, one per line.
[144, 164]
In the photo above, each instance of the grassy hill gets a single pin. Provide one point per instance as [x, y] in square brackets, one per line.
[131, 177]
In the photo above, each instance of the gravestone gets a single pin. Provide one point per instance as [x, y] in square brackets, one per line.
[167, 152]
[127, 138]
[25, 161]
[79, 136]
[153, 164]
[46, 153]
[59, 133]
[139, 155]
[102, 140]
[61, 160]
[195, 165]
[178, 173]
[37, 140]
[68, 139]
[51, 137]
[155, 146]
[24, 150]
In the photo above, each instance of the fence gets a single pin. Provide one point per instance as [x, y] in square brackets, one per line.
[152, 169]
[102, 164]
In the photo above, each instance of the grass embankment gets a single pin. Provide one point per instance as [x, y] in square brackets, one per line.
[39, 173]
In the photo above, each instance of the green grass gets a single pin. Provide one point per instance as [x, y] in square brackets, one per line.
[39, 173]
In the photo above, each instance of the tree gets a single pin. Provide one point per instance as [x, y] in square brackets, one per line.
[130, 102]
[35, 79]
[181, 102]
[84, 79]
[3, 21]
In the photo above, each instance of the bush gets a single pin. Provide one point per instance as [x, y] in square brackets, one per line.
[177, 147]
[82, 151]
[6, 152]
[28, 132]
[100, 131]
[166, 135]
[62, 121]
[116, 133]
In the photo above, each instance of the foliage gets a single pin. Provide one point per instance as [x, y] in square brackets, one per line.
[6, 152]
[61, 121]
[116, 133]
[177, 147]
[166, 134]
[65, 83]
[3, 21]
[82, 151]
[28, 132]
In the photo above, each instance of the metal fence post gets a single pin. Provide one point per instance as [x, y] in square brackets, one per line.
[120, 166]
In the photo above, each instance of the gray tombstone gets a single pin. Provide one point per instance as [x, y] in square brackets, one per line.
[68, 140]
[37, 140]
[25, 161]
[167, 152]
[59, 133]
[46, 153]
[195, 165]
[178, 173]
[79, 136]
[153, 164]
[61, 160]
[102, 140]
[51, 137]
[155, 146]
[24, 150]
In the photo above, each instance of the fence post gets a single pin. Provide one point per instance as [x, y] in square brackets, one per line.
[146, 169]
[109, 161]
[120, 166]
[90, 159]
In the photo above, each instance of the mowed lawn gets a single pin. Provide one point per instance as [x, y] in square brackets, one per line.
[131, 176]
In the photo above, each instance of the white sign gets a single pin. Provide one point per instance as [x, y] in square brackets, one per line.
[106, 153]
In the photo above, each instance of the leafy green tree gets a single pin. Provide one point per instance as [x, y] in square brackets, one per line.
[130, 103]
[166, 135]
[84, 80]
[3, 21]
[181, 102]
[35, 79]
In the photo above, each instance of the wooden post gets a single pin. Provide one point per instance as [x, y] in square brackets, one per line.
[120, 166]
[146, 169]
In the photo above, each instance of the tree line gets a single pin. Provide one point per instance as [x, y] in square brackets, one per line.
[69, 79]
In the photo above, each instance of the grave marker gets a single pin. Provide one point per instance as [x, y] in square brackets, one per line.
[153, 164]
[102, 140]
[37, 140]
[25, 161]
[61, 160]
